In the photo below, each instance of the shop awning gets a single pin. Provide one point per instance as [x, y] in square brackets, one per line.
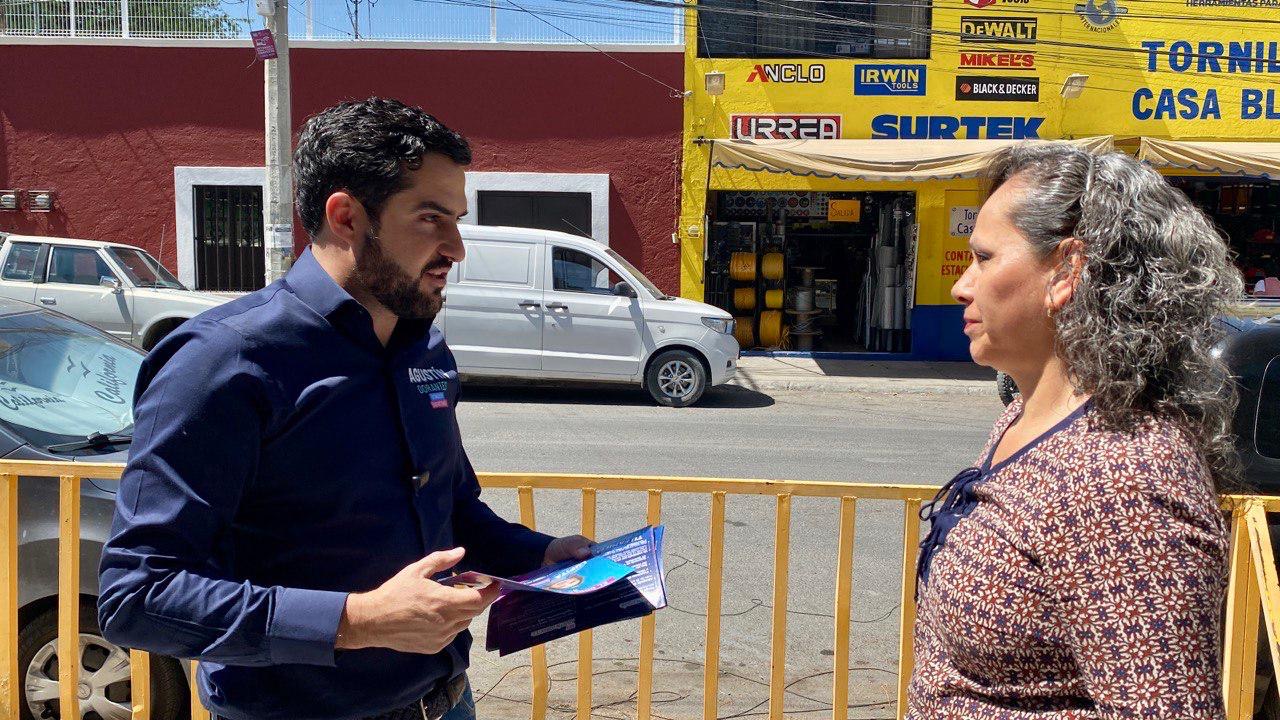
[1260, 159]
[895, 160]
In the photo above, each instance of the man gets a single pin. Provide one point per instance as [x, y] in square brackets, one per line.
[297, 478]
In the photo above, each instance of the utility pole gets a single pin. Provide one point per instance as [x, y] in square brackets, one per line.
[277, 195]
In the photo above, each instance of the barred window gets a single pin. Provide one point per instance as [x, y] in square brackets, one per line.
[814, 28]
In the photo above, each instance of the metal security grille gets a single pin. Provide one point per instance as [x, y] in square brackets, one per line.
[564, 211]
[229, 248]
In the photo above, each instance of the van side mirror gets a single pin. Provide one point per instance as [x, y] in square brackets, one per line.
[624, 289]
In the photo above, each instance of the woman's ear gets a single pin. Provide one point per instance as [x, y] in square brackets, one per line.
[1069, 262]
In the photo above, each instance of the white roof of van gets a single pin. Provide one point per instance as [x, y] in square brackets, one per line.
[67, 241]
[519, 233]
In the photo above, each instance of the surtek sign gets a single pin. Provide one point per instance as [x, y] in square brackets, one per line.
[948, 127]
[997, 29]
[1011, 89]
[784, 127]
[888, 80]
[789, 73]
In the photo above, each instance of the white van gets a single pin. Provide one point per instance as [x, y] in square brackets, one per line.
[544, 304]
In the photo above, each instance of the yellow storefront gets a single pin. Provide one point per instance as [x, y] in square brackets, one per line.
[828, 175]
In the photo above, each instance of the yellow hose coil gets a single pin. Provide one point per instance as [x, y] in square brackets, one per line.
[771, 331]
[744, 298]
[742, 266]
[773, 299]
[772, 267]
[744, 331]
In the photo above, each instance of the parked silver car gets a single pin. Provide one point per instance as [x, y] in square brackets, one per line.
[119, 289]
[66, 395]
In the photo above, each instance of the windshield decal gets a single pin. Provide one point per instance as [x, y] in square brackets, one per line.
[13, 398]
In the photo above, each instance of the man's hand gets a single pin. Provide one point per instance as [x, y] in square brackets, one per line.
[569, 547]
[411, 612]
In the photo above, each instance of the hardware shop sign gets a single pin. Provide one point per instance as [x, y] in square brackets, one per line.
[788, 73]
[784, 127]
[998, 29]
[986, 87]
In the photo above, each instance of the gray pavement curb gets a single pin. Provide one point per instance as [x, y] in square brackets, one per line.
[900, 387]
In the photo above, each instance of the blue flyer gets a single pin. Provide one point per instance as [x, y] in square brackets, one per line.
[624, 579]
[573, 578]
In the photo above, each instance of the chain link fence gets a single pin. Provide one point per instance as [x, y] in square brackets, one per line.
[497, 21]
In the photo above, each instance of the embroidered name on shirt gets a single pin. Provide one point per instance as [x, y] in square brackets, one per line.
[422, 375]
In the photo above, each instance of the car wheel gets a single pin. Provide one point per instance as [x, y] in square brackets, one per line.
[676, 378]
[1007, 388]
[159, 333]
[104, 690]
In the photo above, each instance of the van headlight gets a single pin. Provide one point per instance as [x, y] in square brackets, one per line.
[720, 325]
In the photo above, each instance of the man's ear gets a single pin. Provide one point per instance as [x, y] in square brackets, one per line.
[1069, 260]
[345, 218]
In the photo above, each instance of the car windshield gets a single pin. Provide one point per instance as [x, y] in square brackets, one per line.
[639, 276]
[61, 381]
[144, 270]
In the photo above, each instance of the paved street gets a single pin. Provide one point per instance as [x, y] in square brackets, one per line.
[846, 437]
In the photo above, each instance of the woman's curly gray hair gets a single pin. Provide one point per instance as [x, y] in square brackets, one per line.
[1137, 333]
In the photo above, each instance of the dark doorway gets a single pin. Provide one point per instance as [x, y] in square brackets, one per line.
[563, 211]
[229, 247]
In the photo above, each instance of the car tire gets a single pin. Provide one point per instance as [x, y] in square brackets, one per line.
[1006, 387]
[676, 378]
[38, 665]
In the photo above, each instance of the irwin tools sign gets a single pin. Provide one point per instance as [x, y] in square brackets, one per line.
[997, 29]
[888, 80]
[986, 87]
[784, 127]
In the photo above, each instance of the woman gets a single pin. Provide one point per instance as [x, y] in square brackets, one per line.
[1079, 570]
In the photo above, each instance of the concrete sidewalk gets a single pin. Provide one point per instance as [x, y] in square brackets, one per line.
[859, 376]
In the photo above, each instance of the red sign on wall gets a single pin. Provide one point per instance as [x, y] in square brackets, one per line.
[997, 60]
[784, 127]
[264, 43]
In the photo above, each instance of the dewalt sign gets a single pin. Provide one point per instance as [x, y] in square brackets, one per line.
[997, 29]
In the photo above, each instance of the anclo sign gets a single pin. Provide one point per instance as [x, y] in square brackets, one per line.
[789, 73]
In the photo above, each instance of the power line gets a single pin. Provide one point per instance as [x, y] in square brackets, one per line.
[912, 29]
[945, 43]
[928, 6]
[345, 33]
[944, 39]
[675, 92]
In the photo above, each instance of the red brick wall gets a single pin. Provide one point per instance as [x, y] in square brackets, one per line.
[104, 127]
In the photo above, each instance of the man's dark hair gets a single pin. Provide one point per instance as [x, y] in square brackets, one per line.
[367, 148]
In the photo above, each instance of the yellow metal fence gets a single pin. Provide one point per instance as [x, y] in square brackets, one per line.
[1253, 592]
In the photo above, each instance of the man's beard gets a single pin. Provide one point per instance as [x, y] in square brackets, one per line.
[397, 290]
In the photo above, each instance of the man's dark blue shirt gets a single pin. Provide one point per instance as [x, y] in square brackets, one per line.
[283, 458]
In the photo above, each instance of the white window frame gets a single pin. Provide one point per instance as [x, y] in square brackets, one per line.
[185, 178]
[594, 184]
